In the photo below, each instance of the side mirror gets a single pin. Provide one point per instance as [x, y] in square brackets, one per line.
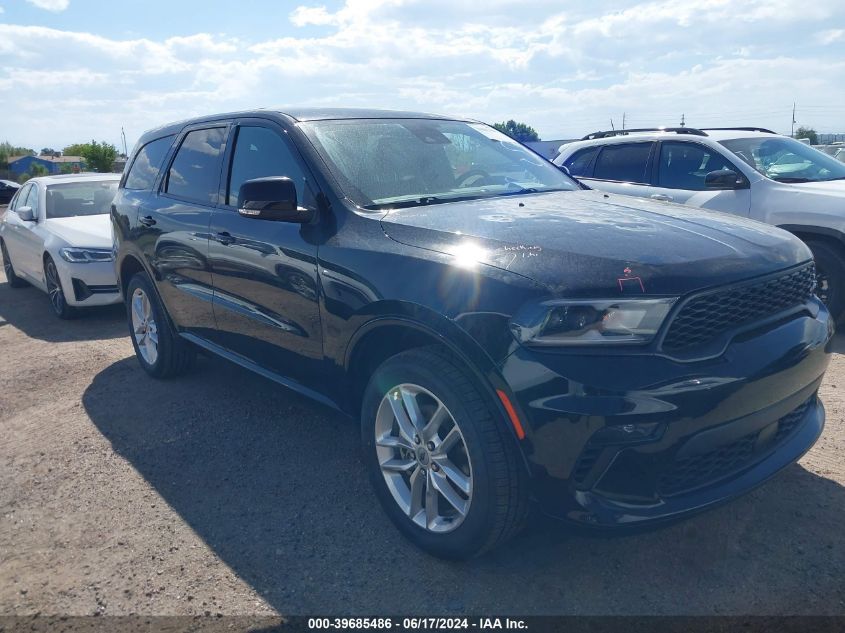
[26, 214]
[271, 198]
[723, 179]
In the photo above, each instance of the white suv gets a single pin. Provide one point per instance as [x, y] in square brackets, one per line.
[751, 172]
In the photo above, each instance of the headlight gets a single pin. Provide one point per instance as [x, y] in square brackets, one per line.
[86, 255]
[591, 322]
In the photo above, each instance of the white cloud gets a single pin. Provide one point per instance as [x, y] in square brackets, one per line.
[51, 5]
[566, 71]
[831, 36]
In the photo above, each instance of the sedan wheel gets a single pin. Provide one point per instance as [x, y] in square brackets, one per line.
[423, 458]
[11, 278]
[144, 326]
[55, 292]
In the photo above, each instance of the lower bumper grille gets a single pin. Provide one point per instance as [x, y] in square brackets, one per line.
[686, 474]
[81, 290]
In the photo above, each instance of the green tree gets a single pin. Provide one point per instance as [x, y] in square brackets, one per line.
[7, 150]
[807, 132]
[521, 132]
[98, 156]
[49, 151]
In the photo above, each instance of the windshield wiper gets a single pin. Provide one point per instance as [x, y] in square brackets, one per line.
[787, 179]
[420, 202]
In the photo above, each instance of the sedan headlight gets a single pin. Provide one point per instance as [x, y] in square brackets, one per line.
[86, 255]
[591, 322]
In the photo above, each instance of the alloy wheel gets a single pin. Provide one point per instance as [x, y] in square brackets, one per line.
[7, 264]
[423, 458]
[144, 327]
[54, 287]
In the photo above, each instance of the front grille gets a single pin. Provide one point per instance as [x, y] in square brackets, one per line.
[696, 471]
[706, 317]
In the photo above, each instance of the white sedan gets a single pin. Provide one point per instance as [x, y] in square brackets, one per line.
[57, 236]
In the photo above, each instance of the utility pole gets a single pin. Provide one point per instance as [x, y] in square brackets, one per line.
[792, 134]
[683, 123]
[611, 125]
[123, 136]
[623, 120]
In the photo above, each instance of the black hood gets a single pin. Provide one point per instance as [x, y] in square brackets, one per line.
[587, 243]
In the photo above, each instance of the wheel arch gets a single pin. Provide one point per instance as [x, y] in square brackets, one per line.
[129, 266]
[386, 335]
[805, 232]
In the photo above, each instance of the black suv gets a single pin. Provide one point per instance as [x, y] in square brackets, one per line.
[503, 334]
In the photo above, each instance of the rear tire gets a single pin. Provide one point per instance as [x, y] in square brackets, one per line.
[159, 349]
[482, 469]
[830, 270]
[11, 277]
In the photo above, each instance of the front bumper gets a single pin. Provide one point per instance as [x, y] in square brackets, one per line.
[92, 284]
[619, 439]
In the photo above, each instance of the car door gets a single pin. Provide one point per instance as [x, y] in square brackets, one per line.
[622, 168]
[680, 170]
[19, 235]
[174, 225]
[265, 272]
[32, 234]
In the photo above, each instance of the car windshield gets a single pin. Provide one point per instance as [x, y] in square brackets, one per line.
[92, 197]
[389, 163]
[786, 160]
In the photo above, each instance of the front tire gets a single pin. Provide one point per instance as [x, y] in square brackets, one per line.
[11, 277]
[160, 351]
[58, 301]
[444, 468]
[830, 272]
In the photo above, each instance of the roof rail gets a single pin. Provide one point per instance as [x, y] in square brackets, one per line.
[677, 130]
[741, 129]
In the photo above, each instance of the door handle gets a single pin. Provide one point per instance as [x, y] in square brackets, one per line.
[225, 238]
[147, 220]
[662, 197]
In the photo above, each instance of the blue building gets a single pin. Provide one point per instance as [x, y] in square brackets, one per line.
[20, 165]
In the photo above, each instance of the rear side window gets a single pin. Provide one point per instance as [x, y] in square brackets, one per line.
[626, 162]
[195, 171]
[142, 174]
[579, 163]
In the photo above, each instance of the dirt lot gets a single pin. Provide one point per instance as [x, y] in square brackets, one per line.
[222, 493]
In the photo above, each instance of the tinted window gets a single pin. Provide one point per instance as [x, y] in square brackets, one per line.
[578, 164]
[626, 162]
[261, 152]
[144, 170]
[195, 171]
[684, 165]
[92, 197]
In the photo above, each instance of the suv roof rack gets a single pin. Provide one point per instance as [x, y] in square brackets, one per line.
[676, 130]
[741, 129]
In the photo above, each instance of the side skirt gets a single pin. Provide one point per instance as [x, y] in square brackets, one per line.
[258, 369]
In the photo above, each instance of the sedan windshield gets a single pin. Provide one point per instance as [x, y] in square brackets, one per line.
[786, 160]
[389, 163]
[92, 197]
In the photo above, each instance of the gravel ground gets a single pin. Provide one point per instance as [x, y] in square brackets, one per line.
[222, 493]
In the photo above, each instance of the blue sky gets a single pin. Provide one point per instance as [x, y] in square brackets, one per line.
[72, 70]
